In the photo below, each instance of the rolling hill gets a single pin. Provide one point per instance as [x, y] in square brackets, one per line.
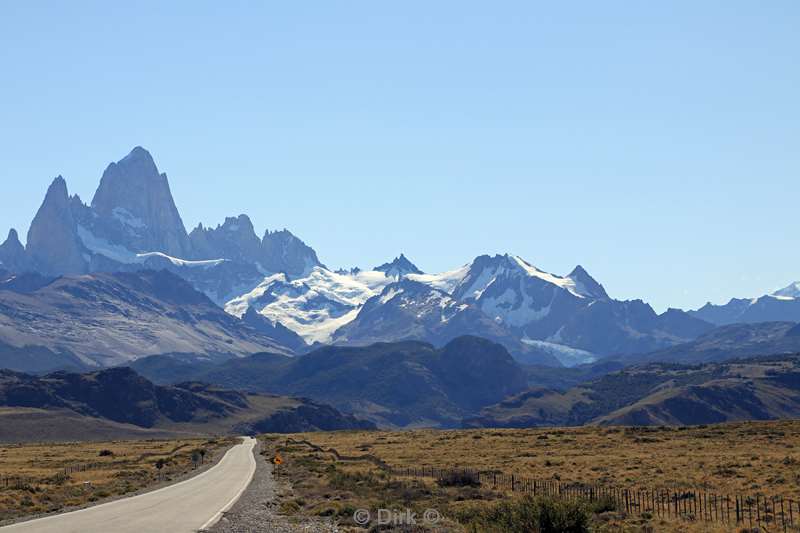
[762, 388]
[404, 384]
[118, 401]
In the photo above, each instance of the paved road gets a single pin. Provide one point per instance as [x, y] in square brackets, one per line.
[185, 507]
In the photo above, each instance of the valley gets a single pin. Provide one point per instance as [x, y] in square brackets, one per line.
[313, 487]
[399, 267]
[124, 336]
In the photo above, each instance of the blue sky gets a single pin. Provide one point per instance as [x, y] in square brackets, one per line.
[656, 144]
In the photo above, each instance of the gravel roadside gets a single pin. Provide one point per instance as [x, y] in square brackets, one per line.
[257, 509]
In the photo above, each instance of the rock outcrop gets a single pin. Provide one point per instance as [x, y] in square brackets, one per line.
[53, 244]
[135, 208]
[12, 254]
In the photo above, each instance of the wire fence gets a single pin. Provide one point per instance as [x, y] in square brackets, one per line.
[690, 505]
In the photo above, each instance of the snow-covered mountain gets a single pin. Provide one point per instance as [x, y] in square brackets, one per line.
[398, 268]
[540, 317]
[791, 291]
[132, 224]
[314, 306]
[781, 305]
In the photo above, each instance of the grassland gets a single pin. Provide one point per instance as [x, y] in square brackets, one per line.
[754, 458]
[750, 457]
[33, 479]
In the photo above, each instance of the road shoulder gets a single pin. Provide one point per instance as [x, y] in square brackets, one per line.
[257, 510]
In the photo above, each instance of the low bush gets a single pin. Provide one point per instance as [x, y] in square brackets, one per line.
[459, 478]
[528, 515]
[604, 504]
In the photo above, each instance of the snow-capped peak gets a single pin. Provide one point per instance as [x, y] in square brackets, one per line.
[313, 306]
[792, 291]
[586, 284]
[563, 282]
[486, 270]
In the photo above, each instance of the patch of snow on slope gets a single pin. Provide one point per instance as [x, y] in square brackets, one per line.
[566, 355]
[484, 281]
[121, 254]
[446, 281]
[127, 218]
[314, 306]
[504, 308]
[391, 293]
[791, 292]
[181, 262]
[103, 247]
[565, 283]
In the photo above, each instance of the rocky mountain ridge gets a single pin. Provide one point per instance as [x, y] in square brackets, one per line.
[781, 305]
[104, 319]
[403, 384]
[123, 396]
[760, 388]
[132, 223]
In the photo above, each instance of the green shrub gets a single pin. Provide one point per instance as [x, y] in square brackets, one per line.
[528, 515]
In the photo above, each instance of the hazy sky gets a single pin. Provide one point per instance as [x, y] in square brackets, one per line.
[655, 143]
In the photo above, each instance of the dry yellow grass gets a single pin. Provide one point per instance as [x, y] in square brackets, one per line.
[752, 457]
[32, 479]
[320, 485]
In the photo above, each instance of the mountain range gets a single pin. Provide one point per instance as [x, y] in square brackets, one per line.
[120, 402]
[781, 305]
[279, 297]
[763, 388]
[104, 319]
[474, 382]
[402, 384]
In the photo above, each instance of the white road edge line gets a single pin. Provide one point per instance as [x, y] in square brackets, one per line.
[91, 507]
[214, 519]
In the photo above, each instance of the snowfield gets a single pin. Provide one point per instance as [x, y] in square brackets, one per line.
[316, 305]
[120, 254]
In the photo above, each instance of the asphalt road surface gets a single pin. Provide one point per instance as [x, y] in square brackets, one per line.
[185, 507]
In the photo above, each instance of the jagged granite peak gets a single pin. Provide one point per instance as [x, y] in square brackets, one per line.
[399, 267]
[348, 272]
[587, 284]
[235, 240]
[12, 254]
[281, 251]
[12, 242]
[53, 245]
[135, 203]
